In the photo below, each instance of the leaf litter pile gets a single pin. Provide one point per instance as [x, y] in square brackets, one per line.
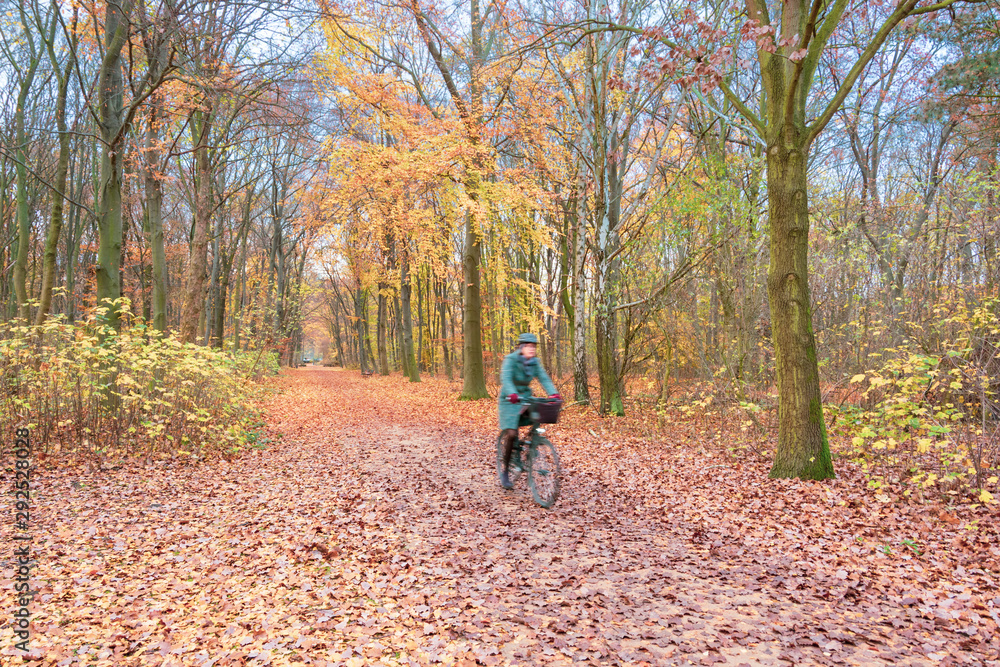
[373, 531]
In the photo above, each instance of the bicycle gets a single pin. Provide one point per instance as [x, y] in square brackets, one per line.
[542, 460]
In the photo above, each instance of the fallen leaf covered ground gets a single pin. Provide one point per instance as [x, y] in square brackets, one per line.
[373, 531]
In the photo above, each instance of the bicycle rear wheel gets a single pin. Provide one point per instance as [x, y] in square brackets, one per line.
[544, 473]
[515, 461]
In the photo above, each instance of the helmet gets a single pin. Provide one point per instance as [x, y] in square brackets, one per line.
[527, 338]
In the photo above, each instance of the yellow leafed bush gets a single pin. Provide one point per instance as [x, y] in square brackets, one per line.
[929, 416]
[84, 389]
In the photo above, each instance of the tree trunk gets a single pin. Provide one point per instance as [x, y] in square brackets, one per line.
[212, 333]
[239, 303]
[278, 253]
[193, 310]
[220, 302]
[474, 385]
[110, 92]
[21, 171]
[154, 214]
[73, 236]
[59, 182]
[580, 376]
[362, 326]
[443, 312]
[336, 333]
[606, 340]
[420, 325]
[409, 358]
[608, 215]
[383, 356]
[398, 338]
[803, 450]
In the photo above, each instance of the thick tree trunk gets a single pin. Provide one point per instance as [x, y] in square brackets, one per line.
[471, 111]
[803, 450]
[474, 385]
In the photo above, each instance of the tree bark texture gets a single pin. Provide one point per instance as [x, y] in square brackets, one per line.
[803, 450]
[110, 90]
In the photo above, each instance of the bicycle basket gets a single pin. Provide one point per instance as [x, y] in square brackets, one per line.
[548, 412]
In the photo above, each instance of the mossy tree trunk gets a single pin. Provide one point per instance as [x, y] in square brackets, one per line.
[803, 450]
[110, 92]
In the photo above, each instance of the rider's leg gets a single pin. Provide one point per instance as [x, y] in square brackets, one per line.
[508, 446]
[509, 436]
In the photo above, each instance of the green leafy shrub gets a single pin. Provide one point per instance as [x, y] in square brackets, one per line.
[87, 390]
[928, 419]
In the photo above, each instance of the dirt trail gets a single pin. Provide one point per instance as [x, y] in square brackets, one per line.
[374, 532]
[580, 582]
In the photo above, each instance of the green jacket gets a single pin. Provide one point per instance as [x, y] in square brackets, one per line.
[516, 375]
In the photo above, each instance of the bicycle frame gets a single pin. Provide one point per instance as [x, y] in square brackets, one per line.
[536, 426]
[526, 453]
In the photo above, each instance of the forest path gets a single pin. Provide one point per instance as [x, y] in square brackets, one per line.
[373, 531]
[487, 574]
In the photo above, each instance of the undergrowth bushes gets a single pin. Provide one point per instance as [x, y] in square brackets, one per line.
[86, 390]
[926, 416]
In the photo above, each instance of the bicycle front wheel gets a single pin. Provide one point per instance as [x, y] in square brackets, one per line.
[515, 461]
[544, 473]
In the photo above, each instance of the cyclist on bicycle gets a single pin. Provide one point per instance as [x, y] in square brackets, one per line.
[519, 368]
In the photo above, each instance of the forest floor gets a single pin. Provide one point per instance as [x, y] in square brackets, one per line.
[372, 530]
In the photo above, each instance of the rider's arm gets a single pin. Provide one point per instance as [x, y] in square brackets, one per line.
[543, 377]
[506, 379]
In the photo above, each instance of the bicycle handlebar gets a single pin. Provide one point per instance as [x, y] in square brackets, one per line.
[535, 400]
